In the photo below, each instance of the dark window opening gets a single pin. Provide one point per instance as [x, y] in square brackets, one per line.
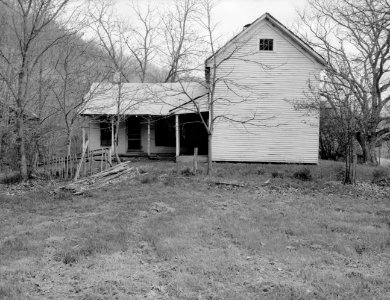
[207, 75]
[105, 132]
[193, 134]
[165, 132]
[266, 45]
[134, 133]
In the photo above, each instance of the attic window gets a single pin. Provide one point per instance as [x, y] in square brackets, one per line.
[266, 45]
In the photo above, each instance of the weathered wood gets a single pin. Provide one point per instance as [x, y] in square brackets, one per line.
[110, 156]
[66, 167]
[98, 180]
[229, 183]
[90, 162]
[354, 163]
[195, 164]
[177, 130]
[101, 160]
[149, 151]
[81, 161]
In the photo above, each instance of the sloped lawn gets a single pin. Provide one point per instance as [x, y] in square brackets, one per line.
[168, 236]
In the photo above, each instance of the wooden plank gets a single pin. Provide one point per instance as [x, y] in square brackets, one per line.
[81, 161]
[195, 162]
[149, 136]
[101, 159]
[177, 127]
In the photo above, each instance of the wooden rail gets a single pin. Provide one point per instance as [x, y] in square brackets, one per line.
[73, 166]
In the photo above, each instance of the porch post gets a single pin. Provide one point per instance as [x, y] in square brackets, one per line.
[112, 133]
[149, 136]
[177, 135]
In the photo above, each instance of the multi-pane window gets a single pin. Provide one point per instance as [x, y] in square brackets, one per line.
[266, 45]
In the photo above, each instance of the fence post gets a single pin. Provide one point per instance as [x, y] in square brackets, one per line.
[90, 162]
[81, 161]
[66, 167]
[195, 166]
[354, 163]
[109, 156]
[101, 160]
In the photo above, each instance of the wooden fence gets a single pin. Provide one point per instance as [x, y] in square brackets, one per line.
[76, 165]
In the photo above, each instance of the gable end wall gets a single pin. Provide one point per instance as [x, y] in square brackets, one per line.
[257, 119]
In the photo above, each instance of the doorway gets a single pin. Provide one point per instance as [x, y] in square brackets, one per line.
[133, 134]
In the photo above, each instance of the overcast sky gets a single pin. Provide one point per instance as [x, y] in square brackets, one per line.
[232, 15]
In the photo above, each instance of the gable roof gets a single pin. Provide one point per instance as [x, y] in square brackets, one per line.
[141, 98]
[296, 39]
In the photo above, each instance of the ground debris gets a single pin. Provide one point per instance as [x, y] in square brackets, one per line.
[228, 183]
[25, 187]
[111, 175]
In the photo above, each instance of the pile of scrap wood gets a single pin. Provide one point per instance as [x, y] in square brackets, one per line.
[103, 178]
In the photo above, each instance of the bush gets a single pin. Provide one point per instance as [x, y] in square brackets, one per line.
[340, 173]
[147, 179]
[303, 174]
[11, 179]
[169, 180]
[63, 195]
[187, 172]
[260, 172]
[380, 175]
[277, 174]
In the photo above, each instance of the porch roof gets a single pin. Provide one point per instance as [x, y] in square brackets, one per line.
[144, 98]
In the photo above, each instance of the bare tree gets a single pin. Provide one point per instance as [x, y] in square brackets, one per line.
[75, 70]
[354, 38]
[141, 37]
[29, 23]
[110, 34]
[181, 40]
[215, 78]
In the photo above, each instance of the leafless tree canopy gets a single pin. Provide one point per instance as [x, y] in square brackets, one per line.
[354, 37]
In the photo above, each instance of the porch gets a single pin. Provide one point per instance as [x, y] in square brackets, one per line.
[151, 136]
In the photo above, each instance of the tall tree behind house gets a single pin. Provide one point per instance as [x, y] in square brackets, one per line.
[354, 37]
[28, 24]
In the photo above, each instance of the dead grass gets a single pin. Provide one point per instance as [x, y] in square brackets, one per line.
[168, 236]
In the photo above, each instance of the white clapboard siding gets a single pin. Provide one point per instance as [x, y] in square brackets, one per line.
[261, 89]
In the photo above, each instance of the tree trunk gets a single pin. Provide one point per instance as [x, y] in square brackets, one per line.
[350, 163]
[69, 144]
[20, 125]
[209, 155]
[22, 147]
[369, 154]
[116, 141]
[368, 148]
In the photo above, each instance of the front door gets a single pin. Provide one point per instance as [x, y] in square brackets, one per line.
[133, 134]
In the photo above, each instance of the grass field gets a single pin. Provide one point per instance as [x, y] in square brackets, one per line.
[168, 236]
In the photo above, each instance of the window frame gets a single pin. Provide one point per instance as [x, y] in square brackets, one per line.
[266, 39]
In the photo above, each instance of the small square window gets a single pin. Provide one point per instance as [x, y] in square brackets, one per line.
[266, 45]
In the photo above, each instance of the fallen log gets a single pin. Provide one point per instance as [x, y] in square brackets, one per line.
[100, 179]
[228, 183]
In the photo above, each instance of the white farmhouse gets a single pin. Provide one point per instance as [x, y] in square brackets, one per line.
[257, 78]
